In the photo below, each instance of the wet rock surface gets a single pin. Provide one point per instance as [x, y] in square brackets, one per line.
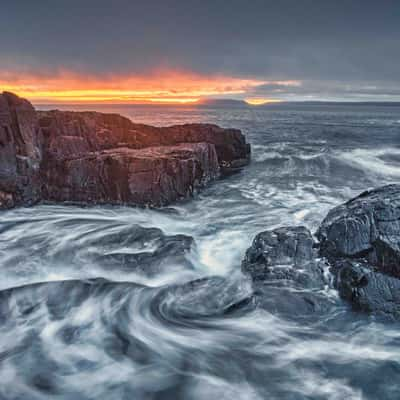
[287, 276]
[95, 158]
[361, 239]
[367, 290]
[366, 227]
[207, 297]
[359, 244]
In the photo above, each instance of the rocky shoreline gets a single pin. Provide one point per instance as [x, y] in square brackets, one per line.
[95, 158]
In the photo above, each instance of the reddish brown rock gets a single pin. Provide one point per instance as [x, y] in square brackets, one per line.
[90, 157]
[20, 152]
[152, 176]
[69, 133]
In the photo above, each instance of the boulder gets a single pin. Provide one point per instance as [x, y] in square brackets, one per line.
[286, 254]
[361, 240]
[366, 227]
[287, 276]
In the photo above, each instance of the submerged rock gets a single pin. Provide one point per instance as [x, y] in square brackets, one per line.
[56, 298]
[206, 297]
[142, 250]
[287, 276]
[90, 157]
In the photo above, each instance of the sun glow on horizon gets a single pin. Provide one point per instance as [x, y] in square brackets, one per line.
[163, 87]
[260, 101]
[160, 87]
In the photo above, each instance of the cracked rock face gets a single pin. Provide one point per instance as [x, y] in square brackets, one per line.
[366, 227]
[95, 158]
[361, 239]
[20, 152]
[154, 176]
[367, 290]
[286, 274]
[70, 134]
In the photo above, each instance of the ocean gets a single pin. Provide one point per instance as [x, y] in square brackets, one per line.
[146, 339]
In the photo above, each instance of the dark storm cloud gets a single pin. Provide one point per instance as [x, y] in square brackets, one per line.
[334, 43]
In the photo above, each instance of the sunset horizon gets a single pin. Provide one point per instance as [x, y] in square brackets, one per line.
[153, 54]
[159, 87]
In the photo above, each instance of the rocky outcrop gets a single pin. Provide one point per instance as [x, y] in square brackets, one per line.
[70, 134]
[90, 157]
[287, 276]
[359, 241]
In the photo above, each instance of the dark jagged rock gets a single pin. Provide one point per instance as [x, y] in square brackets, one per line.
[285, 254]
[90, 157]
[361, 239]
[286, 274]
[361, 242]
[367, 290]
[366, 227]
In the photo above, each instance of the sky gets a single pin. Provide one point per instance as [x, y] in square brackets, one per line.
[183, 50]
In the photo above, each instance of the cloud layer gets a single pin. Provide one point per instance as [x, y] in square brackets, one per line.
[343, 49]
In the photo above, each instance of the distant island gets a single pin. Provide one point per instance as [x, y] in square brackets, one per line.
[251, 103]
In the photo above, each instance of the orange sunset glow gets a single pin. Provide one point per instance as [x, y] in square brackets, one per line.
[162, 87]
[260, 101]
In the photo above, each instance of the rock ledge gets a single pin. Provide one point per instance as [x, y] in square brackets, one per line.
[96, 158]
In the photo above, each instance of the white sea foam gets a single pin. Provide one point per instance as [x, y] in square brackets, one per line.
[373, 161]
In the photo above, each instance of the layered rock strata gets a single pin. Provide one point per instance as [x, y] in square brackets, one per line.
[95, 158]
